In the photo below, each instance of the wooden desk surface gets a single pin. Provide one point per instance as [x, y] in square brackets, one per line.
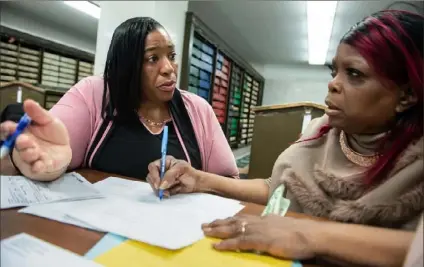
[73, 238]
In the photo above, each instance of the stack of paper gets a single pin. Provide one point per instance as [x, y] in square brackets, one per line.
[132, 210]
[24, 250]
[58, 212]
[142, 192]
[168, 226]
[18, 191]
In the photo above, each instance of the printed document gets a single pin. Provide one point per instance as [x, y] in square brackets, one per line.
[24, 250]
[57, 211]
[142, 192]
[131, 209]
[168, 226]
[18, 191]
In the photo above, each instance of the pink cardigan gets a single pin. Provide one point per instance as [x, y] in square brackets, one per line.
[80, 110]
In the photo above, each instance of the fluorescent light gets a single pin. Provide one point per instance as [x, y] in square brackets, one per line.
[320, 25]
[86, 7]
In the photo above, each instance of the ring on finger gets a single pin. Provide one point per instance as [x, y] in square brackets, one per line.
[243, 227]
[242, 231]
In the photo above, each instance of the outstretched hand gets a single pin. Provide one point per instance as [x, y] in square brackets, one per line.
[43, 151]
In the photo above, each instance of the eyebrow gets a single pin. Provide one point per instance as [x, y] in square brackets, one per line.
[350, 60]
[151, 48]
[355, 60]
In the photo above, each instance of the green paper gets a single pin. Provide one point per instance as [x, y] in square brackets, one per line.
[277, 204]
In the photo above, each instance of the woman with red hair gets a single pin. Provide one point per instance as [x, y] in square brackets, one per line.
[362, 161]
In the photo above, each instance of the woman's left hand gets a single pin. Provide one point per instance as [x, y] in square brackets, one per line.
[278, 236]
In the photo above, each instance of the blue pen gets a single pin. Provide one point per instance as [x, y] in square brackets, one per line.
[163, 158]
[8, 144]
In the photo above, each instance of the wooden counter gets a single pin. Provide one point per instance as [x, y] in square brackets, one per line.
[276, 128]
[9, 94]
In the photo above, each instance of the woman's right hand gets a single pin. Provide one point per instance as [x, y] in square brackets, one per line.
[180, 177]
[43, 151]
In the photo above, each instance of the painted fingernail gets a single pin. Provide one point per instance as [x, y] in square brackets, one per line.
[164, 185]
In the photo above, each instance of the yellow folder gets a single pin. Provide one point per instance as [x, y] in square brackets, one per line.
[201, 254]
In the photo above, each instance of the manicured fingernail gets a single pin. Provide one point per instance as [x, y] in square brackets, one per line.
[164, 185]
[217, 245]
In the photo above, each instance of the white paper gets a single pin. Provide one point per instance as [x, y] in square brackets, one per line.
[57, 211]
[216, 206]
[158, 225]
[142, 192]
[131, 209]
[116, 187]
[134, 190]
[24, 250]
[18, 191]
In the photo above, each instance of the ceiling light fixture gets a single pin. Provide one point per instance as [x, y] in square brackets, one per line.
[86, 7]
[320, 25]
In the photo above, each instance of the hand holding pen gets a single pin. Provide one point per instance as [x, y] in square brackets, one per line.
[179, 177]
[39, 142]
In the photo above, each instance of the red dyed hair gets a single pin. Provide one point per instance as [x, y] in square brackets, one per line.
[392, 43]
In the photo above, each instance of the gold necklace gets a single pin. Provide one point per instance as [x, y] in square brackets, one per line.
[154, 123]
[359, 159]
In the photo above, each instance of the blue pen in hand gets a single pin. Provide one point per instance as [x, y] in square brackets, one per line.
[163, 157]
[8, 144]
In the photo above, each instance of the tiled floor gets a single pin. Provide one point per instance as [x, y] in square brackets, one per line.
[243, 165]
[242, 156]
[244, 161]
[244, 172]
[241, 152]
